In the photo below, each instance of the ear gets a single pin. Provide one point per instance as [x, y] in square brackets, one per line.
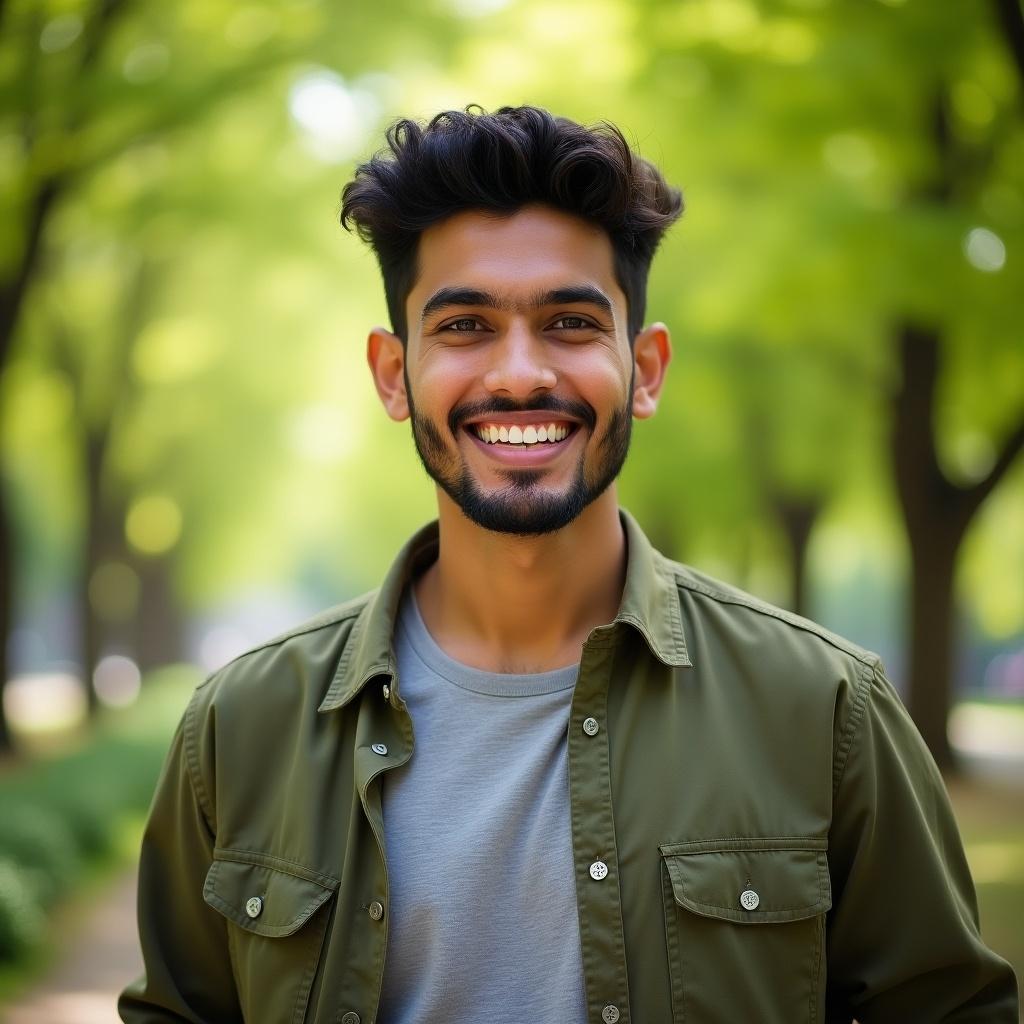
[652, 352]
[386, 355]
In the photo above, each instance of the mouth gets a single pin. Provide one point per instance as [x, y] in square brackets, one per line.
[522, 435]
[523, 443]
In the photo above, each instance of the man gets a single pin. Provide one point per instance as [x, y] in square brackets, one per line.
[543, 773]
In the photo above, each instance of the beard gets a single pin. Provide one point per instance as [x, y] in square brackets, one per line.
[522, 507]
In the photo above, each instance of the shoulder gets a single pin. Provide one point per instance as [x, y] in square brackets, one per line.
[753, 620]
[297, 664]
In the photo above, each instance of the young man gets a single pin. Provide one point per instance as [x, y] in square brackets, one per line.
[543, 773]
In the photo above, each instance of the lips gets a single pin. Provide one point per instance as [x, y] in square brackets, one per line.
[522, 453]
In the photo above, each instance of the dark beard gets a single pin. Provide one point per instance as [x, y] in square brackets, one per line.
[521, 508]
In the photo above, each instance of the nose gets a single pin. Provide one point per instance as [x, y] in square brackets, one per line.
[520, 365]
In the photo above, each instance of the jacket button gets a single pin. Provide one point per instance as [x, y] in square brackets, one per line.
[610, 1014]
[599, 870]
[350, 1018]
[591, 726]
[749, 899]
[254, 907]
[376, 910]
[379, 748]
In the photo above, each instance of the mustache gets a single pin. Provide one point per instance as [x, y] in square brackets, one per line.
[546, 403]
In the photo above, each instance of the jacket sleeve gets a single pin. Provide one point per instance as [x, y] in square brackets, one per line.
[903, 939]
[184, 942]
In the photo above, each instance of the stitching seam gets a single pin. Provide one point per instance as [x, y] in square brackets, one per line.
[192, 767]
[852, 726]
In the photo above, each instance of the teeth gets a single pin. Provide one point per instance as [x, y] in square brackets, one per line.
[531, 434]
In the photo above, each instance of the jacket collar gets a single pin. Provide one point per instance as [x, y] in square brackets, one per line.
[650, 604]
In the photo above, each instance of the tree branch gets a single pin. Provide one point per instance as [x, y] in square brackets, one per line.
[1011, 449]
[1009, 15]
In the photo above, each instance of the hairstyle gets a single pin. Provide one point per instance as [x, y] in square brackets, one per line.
[472, 160]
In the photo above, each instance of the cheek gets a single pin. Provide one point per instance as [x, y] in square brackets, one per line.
[438, 386]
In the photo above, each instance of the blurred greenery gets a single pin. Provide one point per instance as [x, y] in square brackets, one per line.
[186, 410]
[63, 815]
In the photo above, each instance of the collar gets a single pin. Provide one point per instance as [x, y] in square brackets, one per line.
[650, 604]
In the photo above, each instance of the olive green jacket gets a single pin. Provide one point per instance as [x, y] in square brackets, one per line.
[778, 843]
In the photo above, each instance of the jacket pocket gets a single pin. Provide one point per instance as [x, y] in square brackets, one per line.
[277, 914]
[745, 928]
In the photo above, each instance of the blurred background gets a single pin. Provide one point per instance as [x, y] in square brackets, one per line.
[192, 457]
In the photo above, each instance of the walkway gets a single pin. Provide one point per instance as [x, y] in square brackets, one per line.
[98, 959]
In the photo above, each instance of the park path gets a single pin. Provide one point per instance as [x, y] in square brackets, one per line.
[97, 957]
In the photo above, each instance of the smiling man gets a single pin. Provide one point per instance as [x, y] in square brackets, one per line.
[543, 773]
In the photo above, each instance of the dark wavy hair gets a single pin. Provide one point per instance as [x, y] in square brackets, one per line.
[472, 160]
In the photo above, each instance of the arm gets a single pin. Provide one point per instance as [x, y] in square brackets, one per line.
[184, 942]
[903, 941]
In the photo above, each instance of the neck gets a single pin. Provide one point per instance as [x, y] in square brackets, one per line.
[523, 604]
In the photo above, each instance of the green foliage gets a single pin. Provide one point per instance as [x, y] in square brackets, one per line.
[802, 133]
[60, 814]
[21, 917]
[36, 838]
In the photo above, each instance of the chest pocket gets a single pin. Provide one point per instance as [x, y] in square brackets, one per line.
[745, 928]
[277, 913]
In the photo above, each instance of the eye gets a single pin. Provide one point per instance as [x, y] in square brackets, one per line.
[571, 323]
[462, 325]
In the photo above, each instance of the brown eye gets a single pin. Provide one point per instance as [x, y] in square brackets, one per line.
[571, 323]
[465, 324]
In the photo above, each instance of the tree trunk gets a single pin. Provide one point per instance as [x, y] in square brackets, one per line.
[928, 502]
[6, 614]
[159, 626]
[12, 297]
[932, 638]
[797, 517]
[937, 514]
[90, 622]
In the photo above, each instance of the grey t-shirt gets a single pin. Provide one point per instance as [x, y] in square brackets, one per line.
[483, 927]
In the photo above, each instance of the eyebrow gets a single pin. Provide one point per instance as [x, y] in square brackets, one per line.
[445, 298]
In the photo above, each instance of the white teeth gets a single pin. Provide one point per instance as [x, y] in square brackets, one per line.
[528, 435]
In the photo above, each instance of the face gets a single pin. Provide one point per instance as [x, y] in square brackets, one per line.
[518, 374]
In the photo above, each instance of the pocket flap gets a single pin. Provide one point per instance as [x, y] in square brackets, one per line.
[271, 899]
[779, 879]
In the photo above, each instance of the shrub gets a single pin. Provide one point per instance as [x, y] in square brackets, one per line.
[42, 847]
[21, 917]
[56, 814]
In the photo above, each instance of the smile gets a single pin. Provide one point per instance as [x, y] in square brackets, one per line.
[521, 436]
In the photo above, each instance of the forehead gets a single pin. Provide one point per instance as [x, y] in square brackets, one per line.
[532, 250]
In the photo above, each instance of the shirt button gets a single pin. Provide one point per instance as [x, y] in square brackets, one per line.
[350, 1018]
[598, 870]
[254, 907]
[610, 1014]
[376, 910]
[591, 726]
[379, 748]
[749, 899]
